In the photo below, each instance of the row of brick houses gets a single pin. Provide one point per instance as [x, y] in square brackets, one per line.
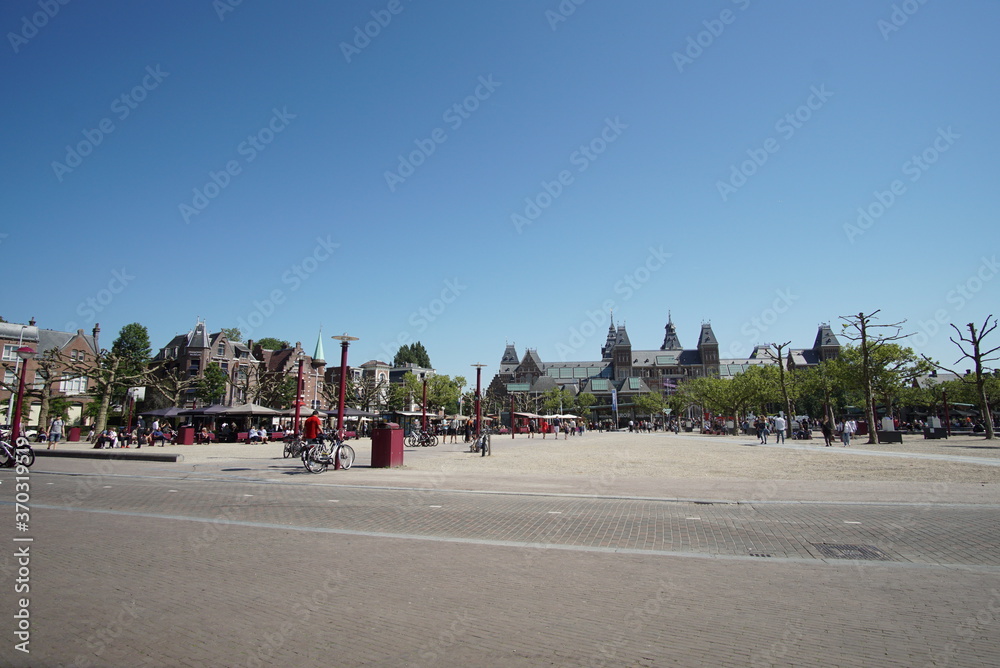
[249, 368]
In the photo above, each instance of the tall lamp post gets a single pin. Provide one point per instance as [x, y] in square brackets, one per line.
[479, 405]
[423, 408]
[24, 354]
[298, 394]
[345, 341]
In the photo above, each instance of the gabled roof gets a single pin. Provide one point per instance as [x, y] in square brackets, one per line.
[509, 355]
[198, 337]
[621, 338]
[544, 384]
[50, 338]
[632, 385]
[370, 364]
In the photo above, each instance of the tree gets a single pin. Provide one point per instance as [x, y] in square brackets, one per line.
[212, 384]
[271, 343]
[233, 334]
[584, 401]
[557, 400]
[870, 343]
[277, 390]
[779, 354]
[116, 370]
[650, 403]
[170, 385]
[414, 353]
[978, 357]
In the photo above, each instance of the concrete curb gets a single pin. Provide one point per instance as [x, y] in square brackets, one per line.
[113, 454]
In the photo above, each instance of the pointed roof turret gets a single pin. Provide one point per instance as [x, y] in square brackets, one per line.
[198, 337]
[825, 337]
[622, 337]
[509, 355]
[670, 340]
[707, 336]
[318, 355]
[609, 343]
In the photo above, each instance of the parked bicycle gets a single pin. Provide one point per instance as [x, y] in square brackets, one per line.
[424, 439]
[19, 453]
[318, 456]
[294, 446]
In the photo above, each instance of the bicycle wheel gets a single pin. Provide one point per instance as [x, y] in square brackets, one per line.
[288, 450]
[346, 454]
[25, 456]
[411, 441]
[316, 459]
[5, 459]
[434, 441]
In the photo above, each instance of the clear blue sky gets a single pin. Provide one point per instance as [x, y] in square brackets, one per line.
[300, 120]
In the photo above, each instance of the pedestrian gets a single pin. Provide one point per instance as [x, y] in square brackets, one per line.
[758, 425]
[827, 430]
[779, 429]
[55, 431]
[847, 427]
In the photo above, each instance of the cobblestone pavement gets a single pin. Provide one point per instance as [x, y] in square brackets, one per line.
[252, 562]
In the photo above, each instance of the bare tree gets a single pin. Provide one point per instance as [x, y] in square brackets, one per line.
[978, 356]
[869, 344]
[778, 349]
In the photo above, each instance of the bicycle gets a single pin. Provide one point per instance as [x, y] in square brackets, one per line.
[19, 453]
[318, 456]
[482, 444]
[294, 445]
[424, 439]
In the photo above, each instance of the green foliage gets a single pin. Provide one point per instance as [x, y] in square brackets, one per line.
[557, 400]
[212, 385]
[271, 343]
[132, 348]
[649, 403]
[233, 334]
[584, 401]
[414, 353]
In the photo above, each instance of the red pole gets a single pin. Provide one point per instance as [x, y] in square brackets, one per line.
[479, 405]
[345, 341]
[298, 397]
[512, 416]
[423, 409]
[15, 427]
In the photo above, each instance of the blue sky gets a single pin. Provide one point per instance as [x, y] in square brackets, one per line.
[469, 174]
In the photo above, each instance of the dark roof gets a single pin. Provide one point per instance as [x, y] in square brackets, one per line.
[544, 384]
[509, 355]
[825, 337]
[50, 338]
[688, 357]
[622, 337]
[670, 339]
[707, 336]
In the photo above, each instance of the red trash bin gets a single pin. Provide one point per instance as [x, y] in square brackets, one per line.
[185, 436]
[387, 448]
[74, 434]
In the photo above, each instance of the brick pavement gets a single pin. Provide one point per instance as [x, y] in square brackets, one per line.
[633, 581]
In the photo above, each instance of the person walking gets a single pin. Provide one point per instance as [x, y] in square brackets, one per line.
[779, 429]
[55, 431]
[827, 432]
[847, 428]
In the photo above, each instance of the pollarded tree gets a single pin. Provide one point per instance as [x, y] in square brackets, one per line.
[861, 328]
[978, 357]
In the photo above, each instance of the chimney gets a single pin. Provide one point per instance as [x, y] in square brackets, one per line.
[31, 323]
[97, 332]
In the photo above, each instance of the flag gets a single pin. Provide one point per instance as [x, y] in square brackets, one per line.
[614, 399]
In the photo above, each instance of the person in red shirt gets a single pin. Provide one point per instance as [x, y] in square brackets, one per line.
[313, 427]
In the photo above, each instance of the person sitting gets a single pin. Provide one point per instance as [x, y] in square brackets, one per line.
[262, 432]
[254, 435]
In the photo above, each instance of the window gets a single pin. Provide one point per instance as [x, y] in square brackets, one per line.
[10, 353]
[71, 386]
[221, 350]
[8, 377]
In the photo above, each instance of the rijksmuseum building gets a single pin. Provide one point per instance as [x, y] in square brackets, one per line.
[631, 371]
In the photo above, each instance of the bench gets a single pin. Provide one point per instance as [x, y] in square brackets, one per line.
[939, 432]
[890, 436]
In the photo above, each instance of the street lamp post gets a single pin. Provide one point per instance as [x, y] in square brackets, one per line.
[423, 408]
[298, 395]
[345, 341]
[24, 354]
[479, 405]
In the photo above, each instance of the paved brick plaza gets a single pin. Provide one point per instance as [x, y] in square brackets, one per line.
[684, 550]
